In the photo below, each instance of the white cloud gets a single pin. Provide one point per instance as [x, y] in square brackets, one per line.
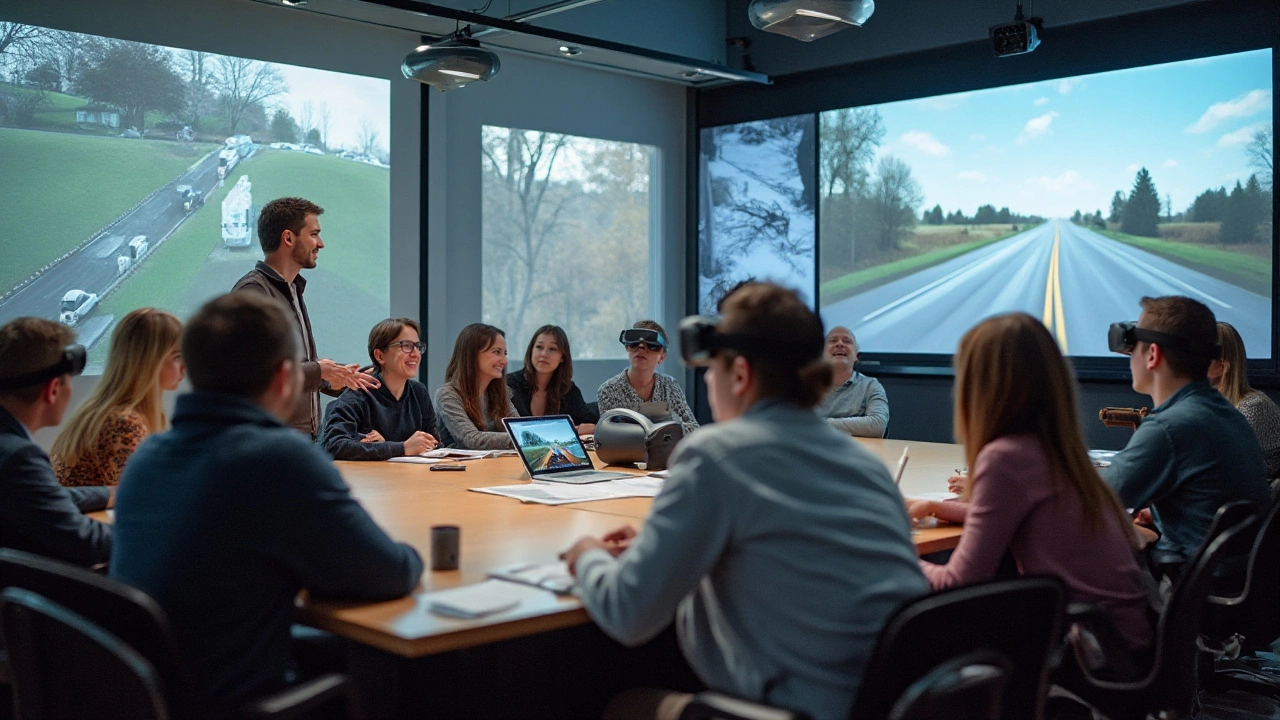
[925, 143]
[972, 176]
[1239, 137]
[1037, 126]
[1040, 101]
[1066, 85]
[1068, 181]
[1251, 103]
[1170, 163]
[1132, 167]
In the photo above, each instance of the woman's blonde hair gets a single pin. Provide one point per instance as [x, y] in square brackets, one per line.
[1011, 379]
[131, 381]
[1234, 383]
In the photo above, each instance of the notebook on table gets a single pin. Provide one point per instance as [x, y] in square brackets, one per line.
[550, 449]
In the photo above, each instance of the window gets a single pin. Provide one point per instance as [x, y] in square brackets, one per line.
[567, 232]
[135, 173]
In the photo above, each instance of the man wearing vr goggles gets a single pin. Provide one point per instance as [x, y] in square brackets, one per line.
[765, 518]
[646, 345]
[37, 514]
[1194, 452]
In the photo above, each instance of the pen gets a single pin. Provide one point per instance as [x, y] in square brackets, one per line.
[902, 465]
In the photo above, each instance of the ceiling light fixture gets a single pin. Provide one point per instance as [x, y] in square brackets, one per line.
[809, 20]
[451, 62]
[570, 51]
[293, 3]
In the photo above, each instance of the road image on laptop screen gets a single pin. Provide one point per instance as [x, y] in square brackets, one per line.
[550, 444]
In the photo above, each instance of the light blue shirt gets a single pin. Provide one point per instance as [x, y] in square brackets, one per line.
[779, 546]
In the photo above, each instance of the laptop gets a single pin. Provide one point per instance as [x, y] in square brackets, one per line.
[550, 449]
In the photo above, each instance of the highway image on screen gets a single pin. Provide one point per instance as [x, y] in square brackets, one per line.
[134, 173]
[1067, 199]
[551, 445]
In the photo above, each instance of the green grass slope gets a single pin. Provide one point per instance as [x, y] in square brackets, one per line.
[58, 189]
[1242, 270]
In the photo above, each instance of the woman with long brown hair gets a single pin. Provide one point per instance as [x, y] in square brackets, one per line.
[1230, 374]
[128, 403]
[473, 400]
[545, 385]
[1033, 490]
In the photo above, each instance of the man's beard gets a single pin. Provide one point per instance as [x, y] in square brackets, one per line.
[304, 258]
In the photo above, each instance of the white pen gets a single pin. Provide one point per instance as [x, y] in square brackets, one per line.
[902, 465]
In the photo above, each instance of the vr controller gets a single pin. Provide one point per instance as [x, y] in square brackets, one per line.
[71, 363]
[1123, 337]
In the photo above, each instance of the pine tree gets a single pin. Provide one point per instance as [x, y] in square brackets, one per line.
[1117, 207]
[1245, 209]
[1142, 209]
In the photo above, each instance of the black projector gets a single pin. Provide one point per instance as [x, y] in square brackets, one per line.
[1016, 38]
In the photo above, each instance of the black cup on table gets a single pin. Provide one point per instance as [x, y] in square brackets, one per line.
[444, 547]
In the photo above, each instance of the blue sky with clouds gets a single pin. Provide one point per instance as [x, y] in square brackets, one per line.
[1051, 147]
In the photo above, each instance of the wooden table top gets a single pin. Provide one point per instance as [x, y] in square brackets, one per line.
[407, 499]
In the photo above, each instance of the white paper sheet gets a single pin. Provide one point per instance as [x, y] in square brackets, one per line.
[474, 601]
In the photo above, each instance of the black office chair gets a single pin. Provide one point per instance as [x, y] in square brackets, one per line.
[1018, 621]
[136, 620]
[68, 667]
[1169, 685]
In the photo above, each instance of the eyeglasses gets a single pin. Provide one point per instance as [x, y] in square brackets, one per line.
[408, 346]
[651, 347]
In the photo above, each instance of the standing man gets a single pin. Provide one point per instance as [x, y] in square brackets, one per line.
[37, 514]
[856, 403]
[289, 231]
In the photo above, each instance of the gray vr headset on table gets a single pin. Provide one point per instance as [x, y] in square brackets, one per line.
[1123, 337]
[71, 363]
[700, 340]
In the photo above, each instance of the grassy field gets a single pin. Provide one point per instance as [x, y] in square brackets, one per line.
[59, 189]
[927, 246]
[348, 291]
[1248, 267]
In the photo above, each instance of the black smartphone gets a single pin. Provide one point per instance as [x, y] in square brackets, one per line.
[448, 467]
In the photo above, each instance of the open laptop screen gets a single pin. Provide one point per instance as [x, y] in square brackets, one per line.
[548, 444]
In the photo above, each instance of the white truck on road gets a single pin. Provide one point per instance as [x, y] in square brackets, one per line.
[237, 214]
[236, 148]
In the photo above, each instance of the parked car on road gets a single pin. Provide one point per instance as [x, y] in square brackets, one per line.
[75, 305]
[138, 247]
[189, 197]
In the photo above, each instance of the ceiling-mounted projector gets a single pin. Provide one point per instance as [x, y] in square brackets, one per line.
[451, 62]
[809, 20]
[1018, 37]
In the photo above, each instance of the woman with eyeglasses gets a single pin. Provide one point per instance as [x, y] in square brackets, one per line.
[473, 399]
[545, 386]
[646, 344]
[394, 419]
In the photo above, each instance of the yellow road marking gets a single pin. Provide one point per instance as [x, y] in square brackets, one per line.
[1054, 319]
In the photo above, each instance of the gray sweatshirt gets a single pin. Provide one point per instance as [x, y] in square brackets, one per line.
[456, 428]
[857, 406]
[779, 546]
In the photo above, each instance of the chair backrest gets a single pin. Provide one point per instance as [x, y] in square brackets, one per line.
[126, 612]
[970, 687]
[1020, 619]
[1255, 610]
[65, 666]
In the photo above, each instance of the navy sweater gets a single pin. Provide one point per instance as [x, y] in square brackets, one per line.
[356, 412]
[223, 520]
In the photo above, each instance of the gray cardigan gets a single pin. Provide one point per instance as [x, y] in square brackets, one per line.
[779, 546]
[456, 428]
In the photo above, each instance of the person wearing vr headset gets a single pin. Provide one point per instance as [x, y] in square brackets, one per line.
[778, 544]
[37, 514]
[1195, 451]
[646, 344]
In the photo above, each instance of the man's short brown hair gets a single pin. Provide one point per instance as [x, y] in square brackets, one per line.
[235, 342]
[1188, 319]
[29, 344]
[386, 332]
[779, 315]
[287, 213]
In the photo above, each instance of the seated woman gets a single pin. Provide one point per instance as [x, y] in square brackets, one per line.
[1230, 375]
[473, 400]
[1032, 489]
[545, 386]
[731, 547]
[641, 382]
[128, 403]
[393, 419]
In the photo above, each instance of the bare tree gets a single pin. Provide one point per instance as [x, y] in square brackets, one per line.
[1261, 151]
[13, 36]
[322, 123]
[198, 68]
[368, 139]
[306, 119]
[895, 195]
[243, 83]
[849, 141]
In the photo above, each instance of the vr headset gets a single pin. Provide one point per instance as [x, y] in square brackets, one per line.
[1123, 337]
[71, 363]
[700, 340]
[651, 338]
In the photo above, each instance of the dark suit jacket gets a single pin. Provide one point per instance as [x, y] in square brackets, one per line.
[40, 516]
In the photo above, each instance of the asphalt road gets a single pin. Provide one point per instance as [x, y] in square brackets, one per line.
[1077, 281]
[93, 268]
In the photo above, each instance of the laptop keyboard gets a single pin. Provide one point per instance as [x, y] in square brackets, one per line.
[581, 477]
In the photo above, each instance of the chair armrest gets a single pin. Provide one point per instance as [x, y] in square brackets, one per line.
[299, 700]
[711, 705]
